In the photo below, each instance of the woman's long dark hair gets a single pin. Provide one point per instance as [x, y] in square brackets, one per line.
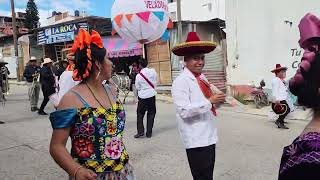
[82, 59]
[308, 88]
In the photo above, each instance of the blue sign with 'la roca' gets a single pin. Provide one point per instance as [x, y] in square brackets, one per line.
[62, 33]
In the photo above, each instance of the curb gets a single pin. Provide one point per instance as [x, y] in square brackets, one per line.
[22, 83]
[261, 115]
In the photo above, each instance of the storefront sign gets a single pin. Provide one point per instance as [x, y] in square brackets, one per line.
[132, 52]
[57, 34]
[296, 54]
[118, 47]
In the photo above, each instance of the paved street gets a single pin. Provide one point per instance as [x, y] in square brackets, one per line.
[249, 146]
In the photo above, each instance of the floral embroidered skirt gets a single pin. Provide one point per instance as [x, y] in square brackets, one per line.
[126, 173]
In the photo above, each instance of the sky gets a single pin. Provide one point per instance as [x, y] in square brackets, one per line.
[45, 7]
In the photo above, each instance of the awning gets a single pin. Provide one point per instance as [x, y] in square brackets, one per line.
[117, 47]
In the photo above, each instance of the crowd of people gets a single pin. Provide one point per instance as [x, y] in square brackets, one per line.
[88, 111]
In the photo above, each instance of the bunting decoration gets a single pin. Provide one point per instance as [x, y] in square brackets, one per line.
[170, 24]
[129, 17]
[165, 36]
[159, 15]
[118, 19]
[114, 32]
[141, 20]
[144, 16]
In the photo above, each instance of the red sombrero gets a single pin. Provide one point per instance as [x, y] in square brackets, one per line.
[280, 109]
[279, 68]
[193, 45]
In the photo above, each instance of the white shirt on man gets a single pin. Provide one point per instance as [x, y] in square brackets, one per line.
[279, 90]
[66, 83]
[196, 122]
[144, 89]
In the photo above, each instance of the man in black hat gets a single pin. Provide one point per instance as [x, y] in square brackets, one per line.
[31, 74]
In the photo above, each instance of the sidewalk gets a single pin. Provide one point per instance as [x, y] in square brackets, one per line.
[298, 114]
[15, 82]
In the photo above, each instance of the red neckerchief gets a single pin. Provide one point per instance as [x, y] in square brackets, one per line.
[206, 90]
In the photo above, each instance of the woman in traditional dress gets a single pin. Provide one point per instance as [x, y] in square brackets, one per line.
[91, 115]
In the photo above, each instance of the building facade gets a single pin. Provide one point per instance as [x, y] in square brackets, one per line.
[200, 10]
[206, 17]
[262, 34]
[6, 25]
[54, 38]
[7, 47]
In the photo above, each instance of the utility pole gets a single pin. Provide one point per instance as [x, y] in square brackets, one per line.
[15, 39]
[179, 21]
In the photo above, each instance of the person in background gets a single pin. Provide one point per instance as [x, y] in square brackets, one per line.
[31, 74]
[62, 67]
[280, 94]
[301, 159]
[146, 82]
[92, 117]
[195, 107]
[66, 81]
[134, 70]
[47, 81]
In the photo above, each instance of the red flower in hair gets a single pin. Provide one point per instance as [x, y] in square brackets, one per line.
[96, 39]
[81, 40]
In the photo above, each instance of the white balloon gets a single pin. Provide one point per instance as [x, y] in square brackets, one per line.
[139, 30]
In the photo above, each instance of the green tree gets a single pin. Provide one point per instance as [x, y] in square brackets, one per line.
[32, 15]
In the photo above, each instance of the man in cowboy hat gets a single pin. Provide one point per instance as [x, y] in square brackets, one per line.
[62, 67]
[47, 81]
[195, 107]
[31, 74]
[281, 104]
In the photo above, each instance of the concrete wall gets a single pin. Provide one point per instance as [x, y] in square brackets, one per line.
[200, 10]
[258, 37]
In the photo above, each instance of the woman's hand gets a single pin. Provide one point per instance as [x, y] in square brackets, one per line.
[85, 174]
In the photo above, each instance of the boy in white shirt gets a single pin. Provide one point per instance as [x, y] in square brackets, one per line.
[195, 107]
[280, 94]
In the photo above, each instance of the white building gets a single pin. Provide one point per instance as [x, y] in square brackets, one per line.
[261, 34]
[206, 17]
[198, 10]
[58, 17]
